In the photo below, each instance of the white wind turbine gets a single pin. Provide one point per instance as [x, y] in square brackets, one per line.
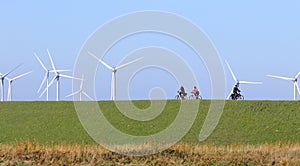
[238, 82]
[2, 77]
[46, 78]
[10, 81]
[80, 92]
[293, 79]
[114, 70]
[56, 78]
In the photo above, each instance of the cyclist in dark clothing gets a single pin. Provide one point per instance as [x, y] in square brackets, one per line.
[181, 92]
[236, 90]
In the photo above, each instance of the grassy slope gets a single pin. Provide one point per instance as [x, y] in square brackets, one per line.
[41, 121]
[252, 122]
[257, 122]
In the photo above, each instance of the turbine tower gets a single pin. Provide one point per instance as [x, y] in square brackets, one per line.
[237, 81]
[113, 70]
[293, 79]
[56, 78]
[10, 81]
[80, 92]
[2, 77]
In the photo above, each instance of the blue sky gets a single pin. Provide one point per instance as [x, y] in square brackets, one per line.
[256, 37]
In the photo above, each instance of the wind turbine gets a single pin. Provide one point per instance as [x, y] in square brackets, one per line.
[237, 81]
[10, 81]
[2, 77]
[113, 70]
[56, 78]
[46, 78]
[293, 79]
[80, 92]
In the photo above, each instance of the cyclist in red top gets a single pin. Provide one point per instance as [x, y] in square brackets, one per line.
[196, 92]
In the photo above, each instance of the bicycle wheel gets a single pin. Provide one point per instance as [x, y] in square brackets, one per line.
[232, 97]
[199, 97]
[191, 97]
[177, 97]
[241, 97]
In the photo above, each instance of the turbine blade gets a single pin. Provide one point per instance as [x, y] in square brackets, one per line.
[22, 75]
[66, 76]
[297, 76]
[52, 64]
[52, 81]
[74, 93]
[41, 63]
[248, 82]
[232, 74]
[87, 95]
[54, 71]
[228, 97]
[11, 70]
[44, 80]
[283, 78]
[105, 64]
[8, 79]
[126, 64]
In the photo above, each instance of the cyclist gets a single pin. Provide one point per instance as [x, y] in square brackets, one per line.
[181, 92]
[236, 90]
[196, 92]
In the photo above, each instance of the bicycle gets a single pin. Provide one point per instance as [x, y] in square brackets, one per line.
[194, 96]
[179, 98]
[237, 96]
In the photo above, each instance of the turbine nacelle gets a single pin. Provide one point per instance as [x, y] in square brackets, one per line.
[113, 69]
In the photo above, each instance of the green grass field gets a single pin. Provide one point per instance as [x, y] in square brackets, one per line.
[247, 122]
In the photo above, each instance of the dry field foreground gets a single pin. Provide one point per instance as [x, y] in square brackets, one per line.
[27, 153]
